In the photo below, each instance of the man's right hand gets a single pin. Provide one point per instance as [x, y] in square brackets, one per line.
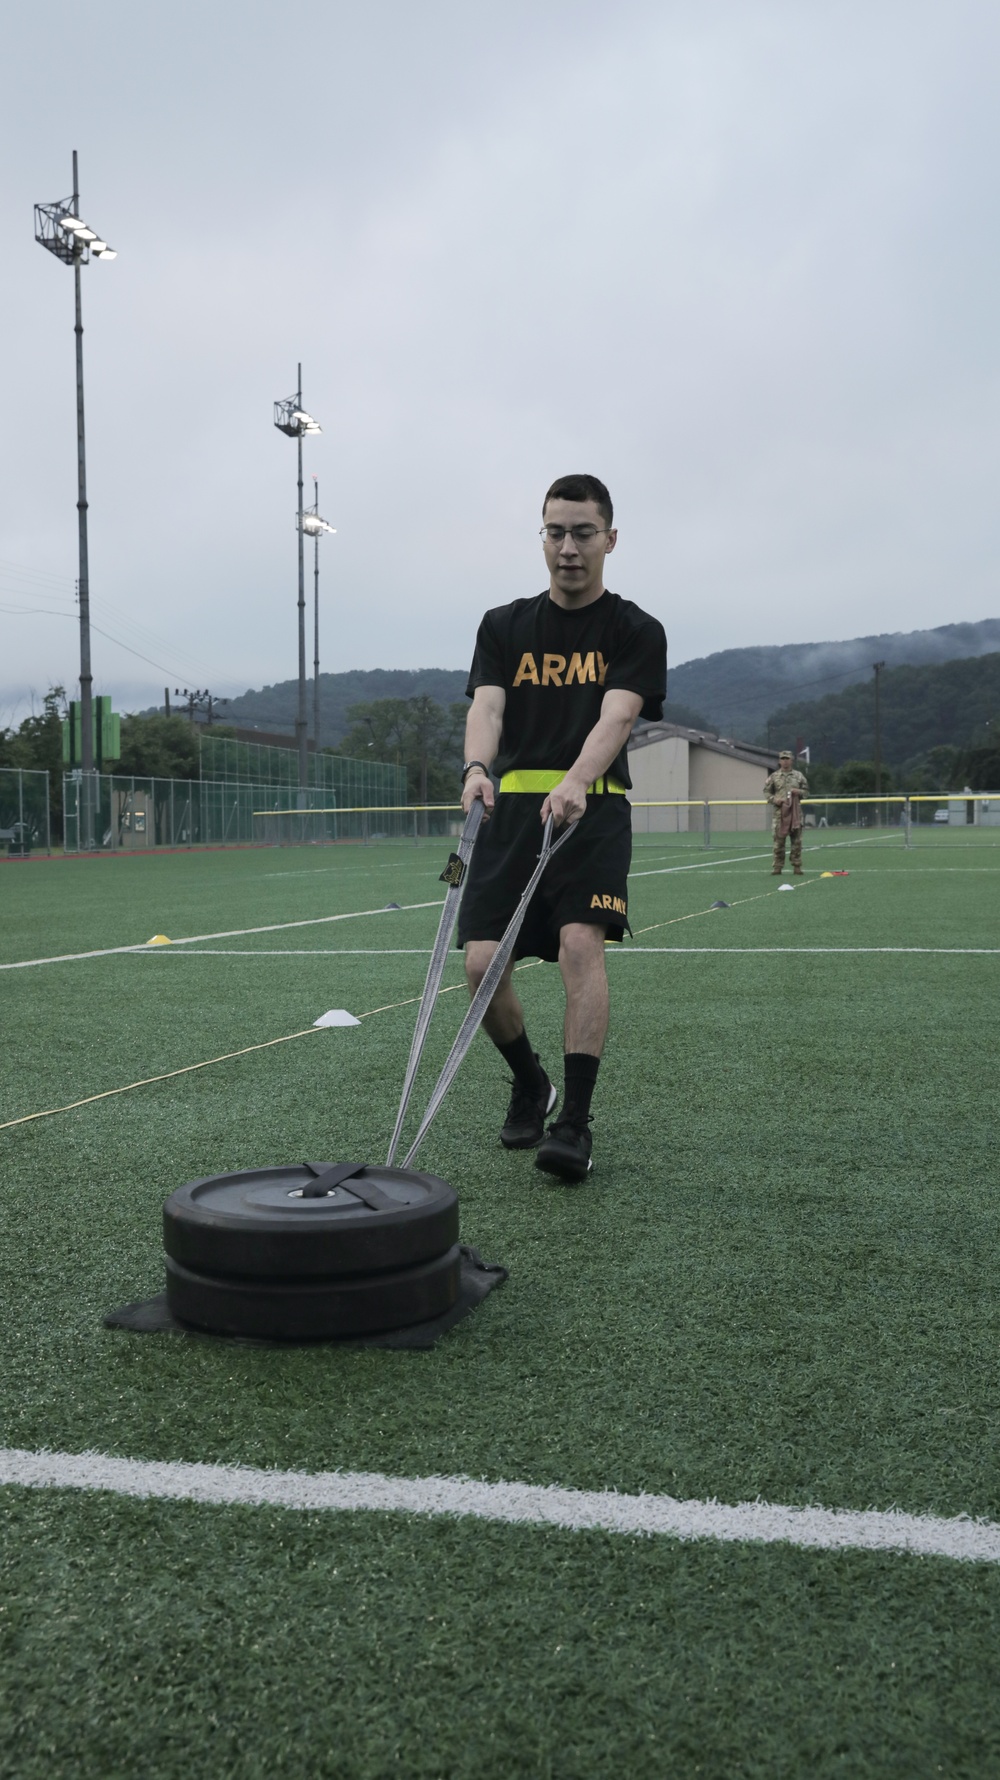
[478, 785]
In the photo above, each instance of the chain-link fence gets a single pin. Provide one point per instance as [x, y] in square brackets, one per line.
[25, 825]
[111, 812]
[115, 813]
[359, 784]
[896, 820]
[402, 822]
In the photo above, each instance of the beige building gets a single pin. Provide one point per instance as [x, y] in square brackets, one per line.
[683, 769]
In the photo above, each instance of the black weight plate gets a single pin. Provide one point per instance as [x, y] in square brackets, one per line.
[302, 1310]
[256, 1222]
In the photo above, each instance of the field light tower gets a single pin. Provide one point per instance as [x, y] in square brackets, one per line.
[60, 228]
[314, 527]
[290, 417]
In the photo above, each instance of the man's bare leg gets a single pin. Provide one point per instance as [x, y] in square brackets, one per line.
[585, 979]
[504, 1018]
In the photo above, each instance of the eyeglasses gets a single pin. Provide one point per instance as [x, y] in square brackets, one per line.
[580, 534]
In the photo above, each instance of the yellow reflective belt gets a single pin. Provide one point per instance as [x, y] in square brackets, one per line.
[547, 781]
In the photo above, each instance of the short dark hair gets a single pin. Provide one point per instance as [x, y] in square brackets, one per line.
[582, 488]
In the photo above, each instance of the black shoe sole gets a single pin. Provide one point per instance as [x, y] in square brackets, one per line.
[522, 1143]
[566, 1170]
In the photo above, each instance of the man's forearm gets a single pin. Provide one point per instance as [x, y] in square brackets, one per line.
[603, 745]
[482, 735]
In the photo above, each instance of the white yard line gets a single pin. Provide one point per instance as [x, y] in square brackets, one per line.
[664, 871]
[196, 939]
[923, 951]
[286, 952]
[516, 1504]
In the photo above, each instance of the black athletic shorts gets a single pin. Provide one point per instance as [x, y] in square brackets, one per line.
[587, 880]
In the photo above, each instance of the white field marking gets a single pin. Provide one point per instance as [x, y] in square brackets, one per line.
[196, 939]
[663, 871]
[286, 952]
[928, 951]
[319, 871]
[749, 858]
[909, 870]
[516, 1504]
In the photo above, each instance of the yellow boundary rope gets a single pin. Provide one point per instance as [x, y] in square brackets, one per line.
[390, 1007]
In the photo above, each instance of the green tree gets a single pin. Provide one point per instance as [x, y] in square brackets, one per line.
[856, 778]
[932, 773]
[979, 768]
[422, 735]
[159, 747]
[823, 780]
[36, 746]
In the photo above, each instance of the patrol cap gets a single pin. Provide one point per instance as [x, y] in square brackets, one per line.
[786, 754]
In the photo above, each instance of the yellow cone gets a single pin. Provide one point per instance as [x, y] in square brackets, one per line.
[158, 939]
[823, 874]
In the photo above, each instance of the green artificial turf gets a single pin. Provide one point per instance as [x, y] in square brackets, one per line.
[776, 1283]
[233, 1644]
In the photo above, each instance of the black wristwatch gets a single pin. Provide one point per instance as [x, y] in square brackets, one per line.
[468, 766]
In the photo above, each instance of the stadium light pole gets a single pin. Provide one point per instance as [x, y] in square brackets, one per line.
[314, 527]
[60, 228]
[290, 417]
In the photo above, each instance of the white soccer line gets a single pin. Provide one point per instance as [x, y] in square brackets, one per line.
[516, 1504]
[933, 951]
[664, 871]
[288, 952]
[196, 939]
[623, 951]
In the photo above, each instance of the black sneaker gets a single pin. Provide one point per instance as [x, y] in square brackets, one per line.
[566, 1150]
[524, 1126]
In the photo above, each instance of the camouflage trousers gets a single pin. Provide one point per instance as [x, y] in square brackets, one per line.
[778, 860]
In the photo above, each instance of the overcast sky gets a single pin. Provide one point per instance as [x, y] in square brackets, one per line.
[738, 259]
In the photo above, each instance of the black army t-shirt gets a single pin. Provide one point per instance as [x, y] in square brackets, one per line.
[555, 667]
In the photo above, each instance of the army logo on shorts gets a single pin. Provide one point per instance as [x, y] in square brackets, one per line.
[615, 905]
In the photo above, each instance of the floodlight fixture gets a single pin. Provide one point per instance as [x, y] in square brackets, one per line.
[60, 229]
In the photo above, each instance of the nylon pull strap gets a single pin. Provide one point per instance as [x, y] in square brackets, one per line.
[487, 988]
[327, 1178]
[454, 878]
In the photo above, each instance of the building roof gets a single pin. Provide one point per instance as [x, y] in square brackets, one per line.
[702, 738]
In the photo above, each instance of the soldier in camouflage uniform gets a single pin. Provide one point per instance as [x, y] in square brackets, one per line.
[778, 786]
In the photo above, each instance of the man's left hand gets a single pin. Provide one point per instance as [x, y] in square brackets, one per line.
[566, 803]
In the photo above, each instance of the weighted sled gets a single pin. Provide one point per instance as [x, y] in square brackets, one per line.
[310, 1220]
[304, 1309]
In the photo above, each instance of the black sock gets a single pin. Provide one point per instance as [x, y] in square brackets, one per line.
[521, 1060]
[581, 1078]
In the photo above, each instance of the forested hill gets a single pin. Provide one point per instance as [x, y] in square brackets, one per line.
[738, 689]
[274, 706]
[734, 691]
[920, 708]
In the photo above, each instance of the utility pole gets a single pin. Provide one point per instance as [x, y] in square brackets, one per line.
[291, 418]
[877, 667]
[60, 228]
[316, 625]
